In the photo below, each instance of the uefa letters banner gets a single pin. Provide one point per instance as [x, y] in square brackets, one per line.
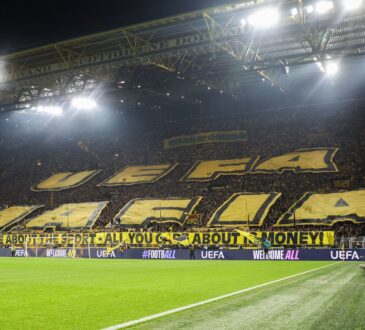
[131, 175]
[140, 212]
[206, 137]
[244, 209]
[153, 239]
[74, 215]
[15, 214]
[207, 170]
[64, 180]
[318, 160]
[326, 209]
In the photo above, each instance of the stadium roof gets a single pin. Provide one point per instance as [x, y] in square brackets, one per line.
[175, 59]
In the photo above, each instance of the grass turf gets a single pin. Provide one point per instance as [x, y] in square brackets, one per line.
[92, 294]
[331, 298]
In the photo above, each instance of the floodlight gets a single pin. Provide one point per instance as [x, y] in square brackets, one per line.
[83, 103]
[50, 109]
[350, 5]
[332, 68]
[243, 22]
[264, 18]
[323, 7]
[294, 11]
[310, 9]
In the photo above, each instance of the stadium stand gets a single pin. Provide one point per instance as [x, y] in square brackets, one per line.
[39, 155]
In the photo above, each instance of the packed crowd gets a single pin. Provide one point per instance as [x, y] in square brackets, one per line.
[32, 155]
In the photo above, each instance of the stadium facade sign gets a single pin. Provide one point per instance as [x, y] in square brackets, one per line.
[199, 254]
[206, 137]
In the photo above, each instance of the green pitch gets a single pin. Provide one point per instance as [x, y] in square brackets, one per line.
[93, 294]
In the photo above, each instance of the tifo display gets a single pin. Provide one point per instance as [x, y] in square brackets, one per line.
[203, 170]
[241, 209]
[317, 160]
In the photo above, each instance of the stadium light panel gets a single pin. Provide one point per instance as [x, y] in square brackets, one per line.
[332, 68]
[294, 11]
[350, 5]
[322, 7]
[83, 103]
[50, 109]
[309, 9]
[264, 18]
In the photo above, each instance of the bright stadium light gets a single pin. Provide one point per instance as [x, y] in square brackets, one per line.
[294, 11]
[264, 18]
[323, 7]
[50, 109]
[309, 9]
[243, 22]
[332, 68]
[83, 103]
[350, 5]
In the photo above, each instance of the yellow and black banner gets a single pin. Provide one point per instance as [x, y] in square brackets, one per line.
[130, 175]
[207, 170]
[141, 212]
[276, 238]
[326, 209]
[318, 160]
[64, 180]
[244, 209]
[206, 137]
[75, 215]
[14, 214]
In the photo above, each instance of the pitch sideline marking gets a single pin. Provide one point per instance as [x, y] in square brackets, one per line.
[208, 301]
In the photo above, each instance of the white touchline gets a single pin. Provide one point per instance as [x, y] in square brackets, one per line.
[204, 302]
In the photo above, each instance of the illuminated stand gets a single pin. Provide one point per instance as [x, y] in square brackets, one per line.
[357, 242]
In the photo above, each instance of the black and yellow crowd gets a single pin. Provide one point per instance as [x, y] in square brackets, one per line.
[31, 154]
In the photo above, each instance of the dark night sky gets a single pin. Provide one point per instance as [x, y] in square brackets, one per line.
[26, 24]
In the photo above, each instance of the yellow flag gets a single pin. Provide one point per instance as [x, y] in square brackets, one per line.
[255, 239]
